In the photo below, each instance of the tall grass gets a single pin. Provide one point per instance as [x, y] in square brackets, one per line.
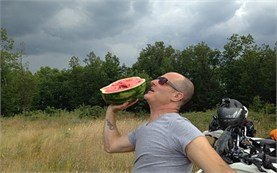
[68, 143]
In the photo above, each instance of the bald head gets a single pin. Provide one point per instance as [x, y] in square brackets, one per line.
[188, 90]
[183, 84]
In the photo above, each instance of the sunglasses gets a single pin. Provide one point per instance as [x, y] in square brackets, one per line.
[163, 80]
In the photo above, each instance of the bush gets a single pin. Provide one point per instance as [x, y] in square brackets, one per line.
[31, 113]
[269, 108]
[90, 111]
[50, 110]
[259, 106]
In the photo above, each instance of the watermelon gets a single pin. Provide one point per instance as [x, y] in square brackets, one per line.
[127, 89]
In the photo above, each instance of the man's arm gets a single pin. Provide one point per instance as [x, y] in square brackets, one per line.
[114, 142]
[200, 152]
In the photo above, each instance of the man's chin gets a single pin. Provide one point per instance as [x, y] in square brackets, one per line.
[146, 96]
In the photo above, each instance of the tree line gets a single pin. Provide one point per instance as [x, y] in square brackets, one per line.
[243, 70]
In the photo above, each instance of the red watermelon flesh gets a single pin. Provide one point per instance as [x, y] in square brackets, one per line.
[122, 85]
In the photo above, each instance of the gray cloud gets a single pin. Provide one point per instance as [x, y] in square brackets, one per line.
[209, 13]
[95, 20]
[261, 21]
[26, 17]
[53, 31]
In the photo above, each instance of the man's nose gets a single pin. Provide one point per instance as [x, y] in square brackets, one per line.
[154, 82]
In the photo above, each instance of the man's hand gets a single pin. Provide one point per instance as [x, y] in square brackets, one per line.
[116, 108]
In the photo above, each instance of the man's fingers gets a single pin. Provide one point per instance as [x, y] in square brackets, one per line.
[132, 103]
[129, 104]
[124, 105]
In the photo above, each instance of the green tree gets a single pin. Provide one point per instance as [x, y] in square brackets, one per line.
[94, 78]
[17, 82]
[111, 67]
[200, 64]
[248, 70]
[26, 89]
[74, 62]
[155, 60]
[258, 75]
[75, 82]
[230, 68]
[52, 89]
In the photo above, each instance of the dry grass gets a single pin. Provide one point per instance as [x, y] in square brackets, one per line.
[63, 144]
[67, 143]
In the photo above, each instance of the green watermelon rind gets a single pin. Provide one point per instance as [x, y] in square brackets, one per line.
[124, 96]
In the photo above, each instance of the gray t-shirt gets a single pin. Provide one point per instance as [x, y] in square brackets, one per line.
[160, 145]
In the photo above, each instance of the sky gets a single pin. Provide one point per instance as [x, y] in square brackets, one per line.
[52, 31]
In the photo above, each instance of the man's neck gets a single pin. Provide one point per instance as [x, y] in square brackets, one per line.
[155, 113]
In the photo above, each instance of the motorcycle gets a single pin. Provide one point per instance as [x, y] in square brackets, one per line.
[233, 139]
[244, 154]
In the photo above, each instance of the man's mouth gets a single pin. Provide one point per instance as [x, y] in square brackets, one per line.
[151, 89]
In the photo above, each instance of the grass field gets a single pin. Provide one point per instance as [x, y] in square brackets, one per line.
[67, 143]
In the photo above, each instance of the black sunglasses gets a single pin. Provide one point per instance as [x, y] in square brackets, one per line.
[163, 80]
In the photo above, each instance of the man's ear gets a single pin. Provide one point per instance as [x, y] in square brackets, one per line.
[178, 96]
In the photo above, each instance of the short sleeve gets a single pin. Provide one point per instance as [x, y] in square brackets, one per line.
[183, 132]
[134, 134]
[132, 137]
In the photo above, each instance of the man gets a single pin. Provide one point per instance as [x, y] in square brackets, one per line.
[167, 142]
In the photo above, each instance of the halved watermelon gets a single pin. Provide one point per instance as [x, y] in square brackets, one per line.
[123, 90]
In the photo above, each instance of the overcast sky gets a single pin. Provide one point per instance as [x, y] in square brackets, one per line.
[55, 30]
